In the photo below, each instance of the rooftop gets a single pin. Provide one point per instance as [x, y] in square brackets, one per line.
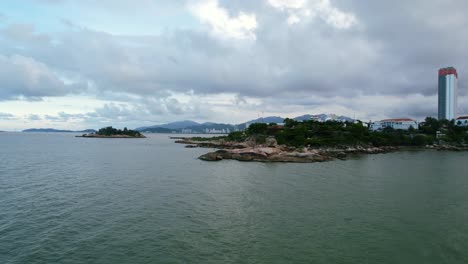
[462, 118]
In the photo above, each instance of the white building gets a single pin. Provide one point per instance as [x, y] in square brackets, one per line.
[462, 121]
[398, 123]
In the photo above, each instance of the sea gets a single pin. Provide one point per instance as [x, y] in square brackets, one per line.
[88, 200]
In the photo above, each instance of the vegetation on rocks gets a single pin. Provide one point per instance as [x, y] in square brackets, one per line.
[334, 134]
[312, 141]
[110, 131]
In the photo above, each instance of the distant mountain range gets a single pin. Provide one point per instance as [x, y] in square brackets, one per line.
[188, 126]
[173, 125]
[52, 130]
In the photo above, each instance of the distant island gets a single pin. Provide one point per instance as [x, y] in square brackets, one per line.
[110, 132]
[313, 141]
[52, 130]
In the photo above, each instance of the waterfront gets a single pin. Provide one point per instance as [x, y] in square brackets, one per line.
[70, 200]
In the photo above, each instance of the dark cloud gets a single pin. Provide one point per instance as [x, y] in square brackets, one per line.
[24, 77]
[394, 49]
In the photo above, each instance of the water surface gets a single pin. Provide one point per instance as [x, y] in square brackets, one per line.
[75, 200]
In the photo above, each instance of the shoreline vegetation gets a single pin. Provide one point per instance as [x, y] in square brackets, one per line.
[313, 141]
[110, 132]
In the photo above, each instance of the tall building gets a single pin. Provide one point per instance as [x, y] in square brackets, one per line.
[448, 89]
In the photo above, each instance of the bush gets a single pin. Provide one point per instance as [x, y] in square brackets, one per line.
[237, 136]
[257, 128]
[420, 140]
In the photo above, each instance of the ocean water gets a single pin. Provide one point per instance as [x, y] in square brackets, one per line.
[75, 200]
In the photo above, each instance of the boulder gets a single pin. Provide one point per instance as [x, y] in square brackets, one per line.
[211, 156]
[271, 142]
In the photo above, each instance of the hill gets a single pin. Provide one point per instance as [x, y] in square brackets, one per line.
[174, 125]
[188, 126]
[156, 130]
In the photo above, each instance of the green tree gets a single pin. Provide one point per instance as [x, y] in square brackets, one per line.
[257, 128]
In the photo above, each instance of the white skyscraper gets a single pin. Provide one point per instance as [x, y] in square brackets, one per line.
[448, 92]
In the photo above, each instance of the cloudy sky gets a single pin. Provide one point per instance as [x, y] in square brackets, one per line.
[87, 64]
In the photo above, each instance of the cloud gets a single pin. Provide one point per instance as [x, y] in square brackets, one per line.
[33, 117]
[24, 77]
[222, 24]
[66, 117]
[275, 56]
[7, 116]
[323, 9]
[24, 32]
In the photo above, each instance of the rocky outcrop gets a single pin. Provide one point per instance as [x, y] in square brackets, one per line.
[270, 151]
[448, 147]
[111, 136]
[219, 144]
[282, 154]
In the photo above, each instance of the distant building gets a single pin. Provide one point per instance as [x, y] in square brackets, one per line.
[398, 123]
[448, 92]
[462, 121]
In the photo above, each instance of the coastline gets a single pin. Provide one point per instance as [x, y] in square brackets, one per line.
[228, 150]
[112, 136]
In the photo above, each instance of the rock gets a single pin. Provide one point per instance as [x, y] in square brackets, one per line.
[251, 141]
[341, 155]
[191, 146]
[212, 156]
[269, 150]
[271, 142]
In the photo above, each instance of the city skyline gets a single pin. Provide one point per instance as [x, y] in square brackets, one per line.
[81, 64]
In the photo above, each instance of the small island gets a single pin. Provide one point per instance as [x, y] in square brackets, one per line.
[110, 132]
[313, 141]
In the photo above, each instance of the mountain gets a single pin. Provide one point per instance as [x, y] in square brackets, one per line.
[157, 130]
[345, 118]
[213, 127]
[52, 130]
[188, 126]
[268, 119]
[321, 117]
[173, 125]
[324, 117]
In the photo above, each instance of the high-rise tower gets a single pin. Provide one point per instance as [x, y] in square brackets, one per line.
[448, 89]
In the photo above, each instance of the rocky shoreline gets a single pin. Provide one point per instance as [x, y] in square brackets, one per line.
[113, 136]
[271, 152]
[278, 154]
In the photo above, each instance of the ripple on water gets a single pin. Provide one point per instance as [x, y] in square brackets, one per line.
[68, 200]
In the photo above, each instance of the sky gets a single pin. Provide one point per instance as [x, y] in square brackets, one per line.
[73, 64]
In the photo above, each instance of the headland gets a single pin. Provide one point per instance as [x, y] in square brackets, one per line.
[311, 141]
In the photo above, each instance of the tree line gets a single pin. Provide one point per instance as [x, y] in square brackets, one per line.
[110, 131]
[335, 133]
